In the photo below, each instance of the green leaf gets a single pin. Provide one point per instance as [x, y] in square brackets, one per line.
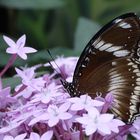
[43, 56]
[32, 4]
[11, 81]
[61, 51]
[3, 45]
[131, 138]
[3, 54]
[84, 32]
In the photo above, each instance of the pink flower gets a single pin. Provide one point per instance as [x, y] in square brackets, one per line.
[12, 125]
[17, 117]
[108, 102]
[26, 93]
[46, 136]
[18, 47]
[52, 115]
[29, 80]
[47, 94]
[5, 97]
[58, 113]
[114, 125]
[19, 137]
[84, 102]
[94, 121]
[40, 117]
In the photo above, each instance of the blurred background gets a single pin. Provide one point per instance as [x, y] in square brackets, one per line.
[62, 26]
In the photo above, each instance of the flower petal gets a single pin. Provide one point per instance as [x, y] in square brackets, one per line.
[20, 137]
[90, 129]
[22, 54]
[83, 120]
[21, 41]
[64, 107]
[9, 41]
[47, 136]
[8, 138]
[93, 112]
[97, 103]
[34, 136]
[53, 121]
[74, 100]
[65, 116]
[33, 121]
[20, 73]
[104, 129]
[77, 106]
[29, 50]
[11, 50]
[105, 118]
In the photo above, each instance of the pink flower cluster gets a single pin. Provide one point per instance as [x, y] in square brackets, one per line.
[41, 109]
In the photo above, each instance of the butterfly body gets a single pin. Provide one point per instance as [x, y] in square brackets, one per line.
[111, 63]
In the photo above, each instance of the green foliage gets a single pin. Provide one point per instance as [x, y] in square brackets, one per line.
[131, 138]
[32, 4]
[11, 81]
[84, 32]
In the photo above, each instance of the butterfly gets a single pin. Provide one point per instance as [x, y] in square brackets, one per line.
[110, 62]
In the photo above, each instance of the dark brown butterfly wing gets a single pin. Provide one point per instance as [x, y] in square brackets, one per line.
[110, 62]
[122, 78]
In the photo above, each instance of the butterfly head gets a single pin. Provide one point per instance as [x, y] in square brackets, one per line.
[70, 88]
[65, 83]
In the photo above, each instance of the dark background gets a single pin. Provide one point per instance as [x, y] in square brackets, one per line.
[59, 25]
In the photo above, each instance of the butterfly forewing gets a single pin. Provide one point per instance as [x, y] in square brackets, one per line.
[110, 43]
[110, 63]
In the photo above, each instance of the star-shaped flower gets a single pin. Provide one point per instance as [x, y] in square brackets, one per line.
[47, 94]
[29, 80]
[103, 123]
[18, 47]
[58, 113]
[84, 102]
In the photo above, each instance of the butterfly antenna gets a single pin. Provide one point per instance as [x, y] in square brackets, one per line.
[61, 73]
[53, 67]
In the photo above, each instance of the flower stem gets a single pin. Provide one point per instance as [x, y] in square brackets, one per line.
[56, 134]
[21, 89]
[96, 136]
[9, 64]
[105, 107]
[81, 133]
[67, 126]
